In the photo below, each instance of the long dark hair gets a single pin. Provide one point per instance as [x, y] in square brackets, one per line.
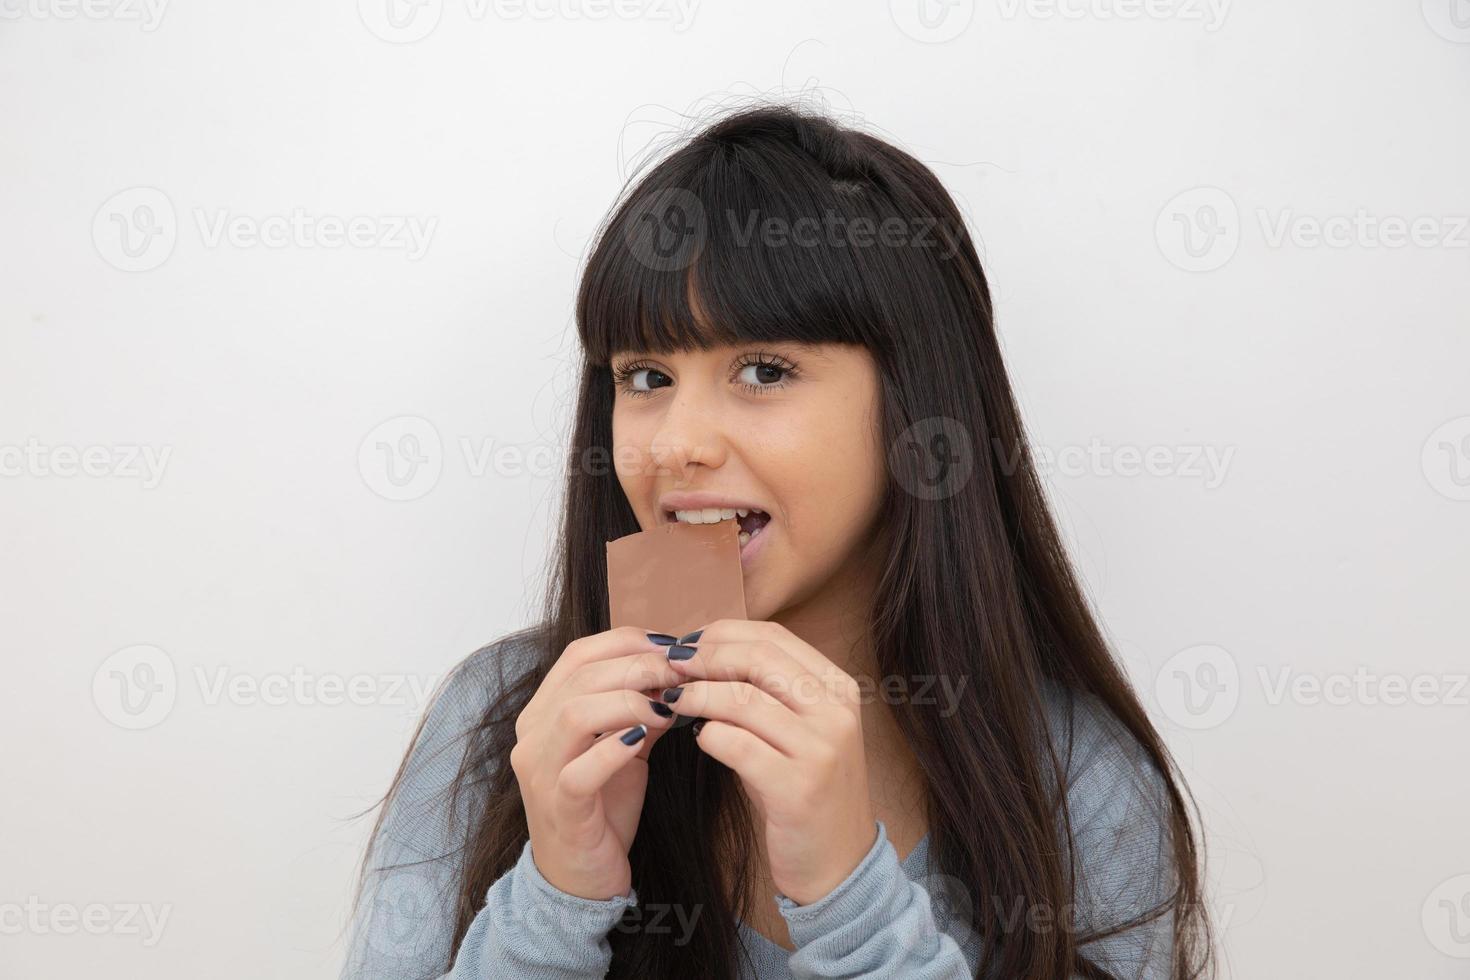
[973, 579]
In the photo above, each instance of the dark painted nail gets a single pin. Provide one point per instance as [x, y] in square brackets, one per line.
[671, 694]
[680, 652]
[633, 735]
[698, 724]
[691, 637]
[663, 639]
[661, 709]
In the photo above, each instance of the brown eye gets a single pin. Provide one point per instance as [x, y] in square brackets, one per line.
[764, 373]
[760, 375]
[639, 379]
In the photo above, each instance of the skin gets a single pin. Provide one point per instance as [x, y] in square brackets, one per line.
[784, 709]
[806, 446]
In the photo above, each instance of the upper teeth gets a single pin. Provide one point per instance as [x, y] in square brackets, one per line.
[709, 515]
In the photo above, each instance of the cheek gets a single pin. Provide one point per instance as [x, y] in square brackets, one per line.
[832, 474]
[630, 458]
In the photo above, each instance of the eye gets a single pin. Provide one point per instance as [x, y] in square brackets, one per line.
[758, 373]
[763, 373]
[639, 378]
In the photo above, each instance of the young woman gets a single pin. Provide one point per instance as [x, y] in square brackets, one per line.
[916, 757]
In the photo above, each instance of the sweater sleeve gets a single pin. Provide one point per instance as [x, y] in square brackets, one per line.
[880, 923]
[403, 924]
[875, 923]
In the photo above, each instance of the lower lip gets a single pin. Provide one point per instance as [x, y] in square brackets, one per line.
[754, 545]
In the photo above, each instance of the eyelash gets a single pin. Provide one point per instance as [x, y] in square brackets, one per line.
[622, 375]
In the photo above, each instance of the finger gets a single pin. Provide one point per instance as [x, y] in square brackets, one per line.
[752, 758]
[745, 705]
[579, 719]
[580, 780]
[654, 734]
[761, 663]
[649, 741]
[640, 672]
[618, 642]
[758, 630]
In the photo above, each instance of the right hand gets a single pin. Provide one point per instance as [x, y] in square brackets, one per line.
[581, 786]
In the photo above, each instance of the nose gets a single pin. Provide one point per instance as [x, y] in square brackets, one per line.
[690, 433]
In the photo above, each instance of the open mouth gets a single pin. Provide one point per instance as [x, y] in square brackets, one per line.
[752, 522]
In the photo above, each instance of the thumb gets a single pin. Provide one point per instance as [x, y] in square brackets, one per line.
[650, 740]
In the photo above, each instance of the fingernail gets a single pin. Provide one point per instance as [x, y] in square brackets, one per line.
[680, 652]
[661, 709]
[671, 694]
[633, 735]
[663, 639]
[691, 637]
[697, 726]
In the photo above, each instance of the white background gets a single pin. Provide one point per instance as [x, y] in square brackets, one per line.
[1329, 380]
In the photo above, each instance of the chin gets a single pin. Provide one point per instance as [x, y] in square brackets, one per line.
[767, 601]
[756, 606]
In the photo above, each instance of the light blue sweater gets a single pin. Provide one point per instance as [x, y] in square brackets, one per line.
[889, 918]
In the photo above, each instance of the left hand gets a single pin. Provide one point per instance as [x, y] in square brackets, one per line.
[789, 722]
